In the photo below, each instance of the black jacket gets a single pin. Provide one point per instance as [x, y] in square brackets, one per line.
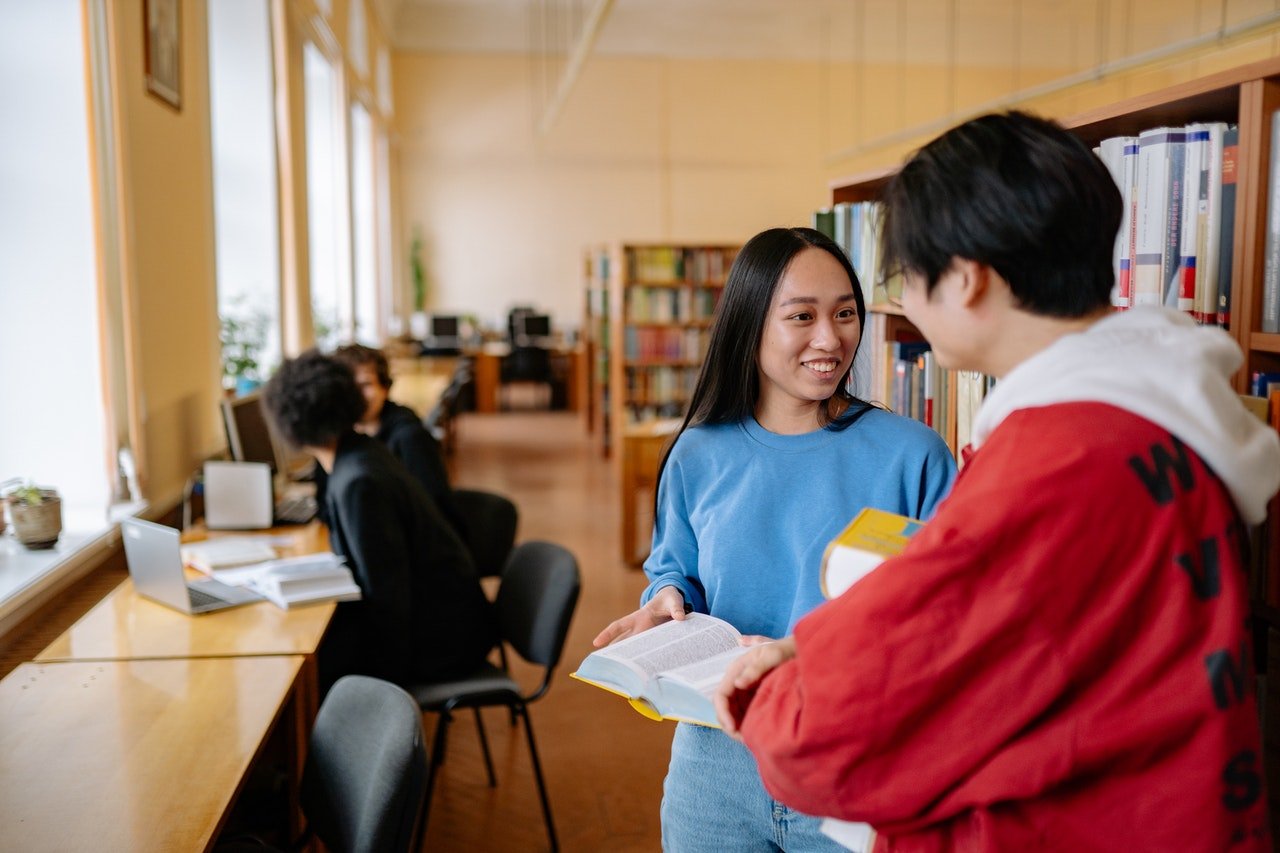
[424, 616]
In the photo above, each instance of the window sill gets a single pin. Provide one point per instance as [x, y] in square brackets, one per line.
[28, 577]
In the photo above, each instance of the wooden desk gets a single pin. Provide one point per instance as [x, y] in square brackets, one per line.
[488, 370]
[642, 446]
[132, 755]
[126, 626]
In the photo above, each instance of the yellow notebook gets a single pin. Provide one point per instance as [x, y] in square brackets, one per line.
[872, 536]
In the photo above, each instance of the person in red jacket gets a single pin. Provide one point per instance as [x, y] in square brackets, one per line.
[1060, 659]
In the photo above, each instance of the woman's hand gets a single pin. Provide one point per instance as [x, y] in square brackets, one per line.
[743, 677]
[666, 604]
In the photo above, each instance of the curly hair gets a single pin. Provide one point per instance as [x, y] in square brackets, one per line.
[313, 400]
[354, 355]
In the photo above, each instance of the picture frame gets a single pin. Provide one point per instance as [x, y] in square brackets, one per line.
[162, 40]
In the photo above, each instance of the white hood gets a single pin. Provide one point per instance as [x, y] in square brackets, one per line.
[1159, 365]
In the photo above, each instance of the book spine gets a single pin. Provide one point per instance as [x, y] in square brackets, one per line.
[1194, 206]
[1175, 201]
[1271, 253]
[1226, 236]
[1152, 216]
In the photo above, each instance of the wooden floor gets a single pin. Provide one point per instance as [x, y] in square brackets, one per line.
[603, 762]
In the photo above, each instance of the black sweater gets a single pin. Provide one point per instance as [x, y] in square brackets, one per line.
[423, 616]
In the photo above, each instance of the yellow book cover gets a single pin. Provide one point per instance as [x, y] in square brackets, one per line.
[872, 536]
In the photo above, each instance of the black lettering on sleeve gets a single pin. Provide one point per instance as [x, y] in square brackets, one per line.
[1241, 781]
[1156, 478]
[1227, 676]
[1206, 579]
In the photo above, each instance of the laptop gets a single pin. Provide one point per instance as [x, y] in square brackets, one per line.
[155, 564]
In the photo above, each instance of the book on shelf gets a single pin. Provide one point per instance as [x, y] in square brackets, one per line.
[1271, 250]
[1230, 176]
[669, 672]
[869, 539]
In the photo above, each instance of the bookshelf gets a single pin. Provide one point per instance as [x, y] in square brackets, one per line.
[658, 307]
[595, 343]
[1246, 96]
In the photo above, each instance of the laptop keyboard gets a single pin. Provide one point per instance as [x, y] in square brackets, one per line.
[200, 598]
[296, 510]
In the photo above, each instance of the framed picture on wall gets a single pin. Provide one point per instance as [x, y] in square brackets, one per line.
[163, 40]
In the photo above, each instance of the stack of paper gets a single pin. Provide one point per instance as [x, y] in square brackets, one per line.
[302, 580]
[226, 552]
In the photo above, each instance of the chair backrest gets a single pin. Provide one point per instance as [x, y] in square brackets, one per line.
[492, 520]
[536, 599]
[526, 364]
[366, 768]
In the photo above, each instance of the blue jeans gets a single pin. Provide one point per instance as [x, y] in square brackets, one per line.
[713, 800]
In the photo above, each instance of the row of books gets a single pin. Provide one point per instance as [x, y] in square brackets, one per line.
[856, 228]
[671, 304]
[675, 264]
[661, 385]
[655, 343]
[1174, 244]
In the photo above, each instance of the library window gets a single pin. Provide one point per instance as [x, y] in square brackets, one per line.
[244, 186]
[364, 220]
[328, 234]
[54, 431]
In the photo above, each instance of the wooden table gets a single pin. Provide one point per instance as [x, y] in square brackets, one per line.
[642, 447]
[124, 626]
[132, 755]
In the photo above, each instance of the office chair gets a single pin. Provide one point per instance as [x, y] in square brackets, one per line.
[363, 783]
[440, 421]
[526, 366]
[491, 528]
[535, 601]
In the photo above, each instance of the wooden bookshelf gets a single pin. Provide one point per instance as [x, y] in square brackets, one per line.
[595, 343]
[661, 298]
[1246, 96]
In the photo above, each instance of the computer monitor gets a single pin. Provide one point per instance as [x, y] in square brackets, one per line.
[534, 327]
[249, 436]
[444, 327]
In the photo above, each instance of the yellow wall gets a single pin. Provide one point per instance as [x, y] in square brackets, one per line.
[167, 227]
[690, 150]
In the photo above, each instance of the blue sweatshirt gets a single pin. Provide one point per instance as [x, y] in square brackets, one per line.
[744, 515]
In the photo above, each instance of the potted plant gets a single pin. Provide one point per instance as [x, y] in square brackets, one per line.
[244, 337]
[36, 513]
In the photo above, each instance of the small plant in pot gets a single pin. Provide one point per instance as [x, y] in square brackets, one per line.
[36, 514]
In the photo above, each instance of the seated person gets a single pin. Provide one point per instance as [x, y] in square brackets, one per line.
[424, 616]
[400, 429]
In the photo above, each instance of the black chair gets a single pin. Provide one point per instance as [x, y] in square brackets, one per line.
[491, 528]
[535, 601]
[526, 365]
[365, 776]
[440, 421]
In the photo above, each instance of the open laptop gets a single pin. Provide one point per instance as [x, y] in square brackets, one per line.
[155, 564]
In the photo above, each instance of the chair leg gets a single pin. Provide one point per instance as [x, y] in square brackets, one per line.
[537, 775]
[437, 758]
[484, 747]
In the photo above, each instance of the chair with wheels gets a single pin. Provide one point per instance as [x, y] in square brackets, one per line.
[535, 602]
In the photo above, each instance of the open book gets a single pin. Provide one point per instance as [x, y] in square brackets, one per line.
[870, 538]
[669, 672]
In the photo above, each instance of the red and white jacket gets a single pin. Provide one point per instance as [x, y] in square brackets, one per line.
[1060, 659]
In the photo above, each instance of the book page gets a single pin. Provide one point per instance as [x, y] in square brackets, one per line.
[673, 644]
[705, 675]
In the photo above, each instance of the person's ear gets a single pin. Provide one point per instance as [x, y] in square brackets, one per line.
[973, 281]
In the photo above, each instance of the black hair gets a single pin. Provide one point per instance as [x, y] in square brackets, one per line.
[313, 399]
[1017, 193]
[355, 355]
[728, 386]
